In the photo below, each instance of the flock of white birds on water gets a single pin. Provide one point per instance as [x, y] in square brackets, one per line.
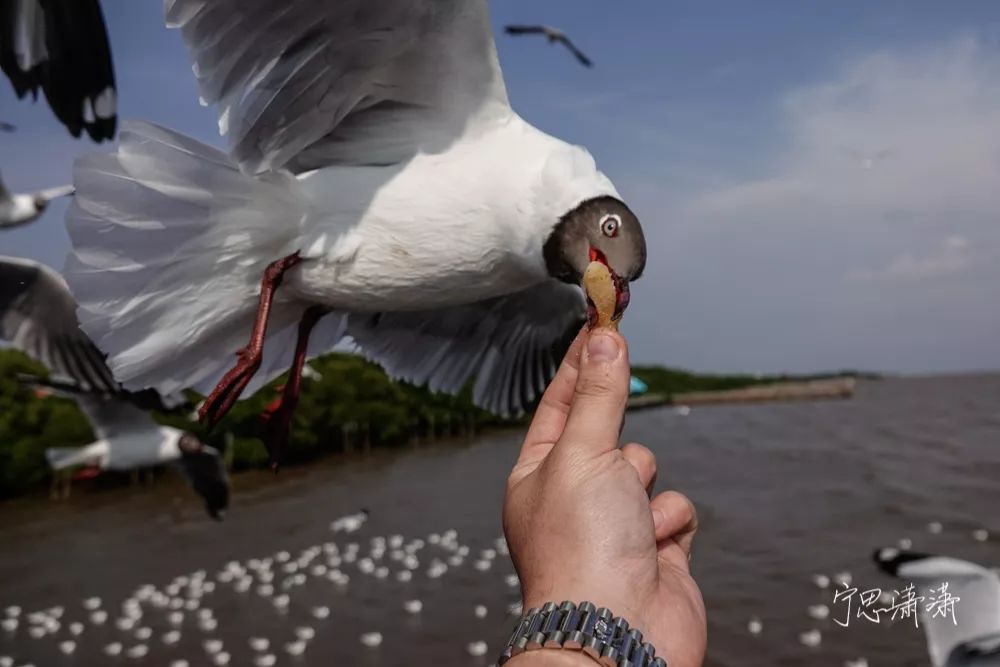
[813, 637]
[182, 605]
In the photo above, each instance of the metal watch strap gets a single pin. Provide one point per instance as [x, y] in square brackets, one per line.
[602, 636]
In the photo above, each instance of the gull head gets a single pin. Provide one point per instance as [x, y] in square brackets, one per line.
[203, 467]
[601, 229]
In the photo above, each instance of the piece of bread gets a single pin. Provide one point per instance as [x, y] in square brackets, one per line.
[601, 292]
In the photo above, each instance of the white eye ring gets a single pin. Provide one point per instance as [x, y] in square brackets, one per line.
[610, 224]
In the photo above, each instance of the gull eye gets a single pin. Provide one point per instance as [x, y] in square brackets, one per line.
[610, 224]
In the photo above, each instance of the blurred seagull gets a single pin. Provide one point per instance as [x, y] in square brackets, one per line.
[973, 639]
[61, 46]
[38, 317]
[20, 209]
[128, 438]
[7, 127]
[554, 36]
[378, 185]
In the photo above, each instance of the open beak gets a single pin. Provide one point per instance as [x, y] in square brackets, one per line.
[621, 290]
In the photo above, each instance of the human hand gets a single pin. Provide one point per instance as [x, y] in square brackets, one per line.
[578, 516]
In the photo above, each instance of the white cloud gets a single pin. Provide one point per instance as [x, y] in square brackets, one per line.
[914, 131]
[950, 258]
[882, 172]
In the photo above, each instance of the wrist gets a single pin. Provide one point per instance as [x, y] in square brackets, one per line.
[592, 632]
[631, 608]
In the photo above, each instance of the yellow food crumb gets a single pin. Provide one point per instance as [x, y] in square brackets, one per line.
[601, 291]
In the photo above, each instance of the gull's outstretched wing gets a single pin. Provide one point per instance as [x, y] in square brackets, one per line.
[584, 60]
[61, 47]
[54, 193]
[38, 316]
[511, 344]
[314, 82]
[526, 30]
[977, 605]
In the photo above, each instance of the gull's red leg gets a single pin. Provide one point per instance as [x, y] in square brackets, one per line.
[232, 384]
[277, 417]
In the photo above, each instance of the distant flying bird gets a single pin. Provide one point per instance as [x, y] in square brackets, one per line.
[378, 186]
[868, 160]
[7, 127]
[20, 209]
[972, 639]
[61, 47]
[128, 438]
[554, 35]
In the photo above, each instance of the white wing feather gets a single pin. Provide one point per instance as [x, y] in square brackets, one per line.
[320, 73]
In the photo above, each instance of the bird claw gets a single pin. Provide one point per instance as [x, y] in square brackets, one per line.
[228, 390]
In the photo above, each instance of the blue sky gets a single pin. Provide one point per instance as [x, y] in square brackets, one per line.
[746, 136]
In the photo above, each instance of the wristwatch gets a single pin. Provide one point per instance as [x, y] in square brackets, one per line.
[596, 632]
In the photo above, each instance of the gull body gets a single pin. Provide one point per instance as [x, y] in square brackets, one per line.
[128, 438]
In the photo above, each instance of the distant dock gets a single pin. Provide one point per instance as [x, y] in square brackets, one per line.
[812, 390]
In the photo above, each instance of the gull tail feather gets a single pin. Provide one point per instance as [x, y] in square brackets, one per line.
[170, 240]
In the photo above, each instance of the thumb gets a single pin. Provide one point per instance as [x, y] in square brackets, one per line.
[598, 405]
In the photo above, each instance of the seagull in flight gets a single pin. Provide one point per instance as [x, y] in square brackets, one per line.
[128, 438]
[21, 209]
[38, 317]
[378, 185]
[554, 35]
[972, 639]
[7, 127]
[61, 47]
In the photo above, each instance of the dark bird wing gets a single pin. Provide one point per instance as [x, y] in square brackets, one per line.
[7, 127]
[526, 30]
[584, 60]
[207, 475]
[61, 47]
[512, 345]
[38, 317]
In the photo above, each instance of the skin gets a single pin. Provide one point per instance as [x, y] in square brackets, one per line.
[580, 521]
